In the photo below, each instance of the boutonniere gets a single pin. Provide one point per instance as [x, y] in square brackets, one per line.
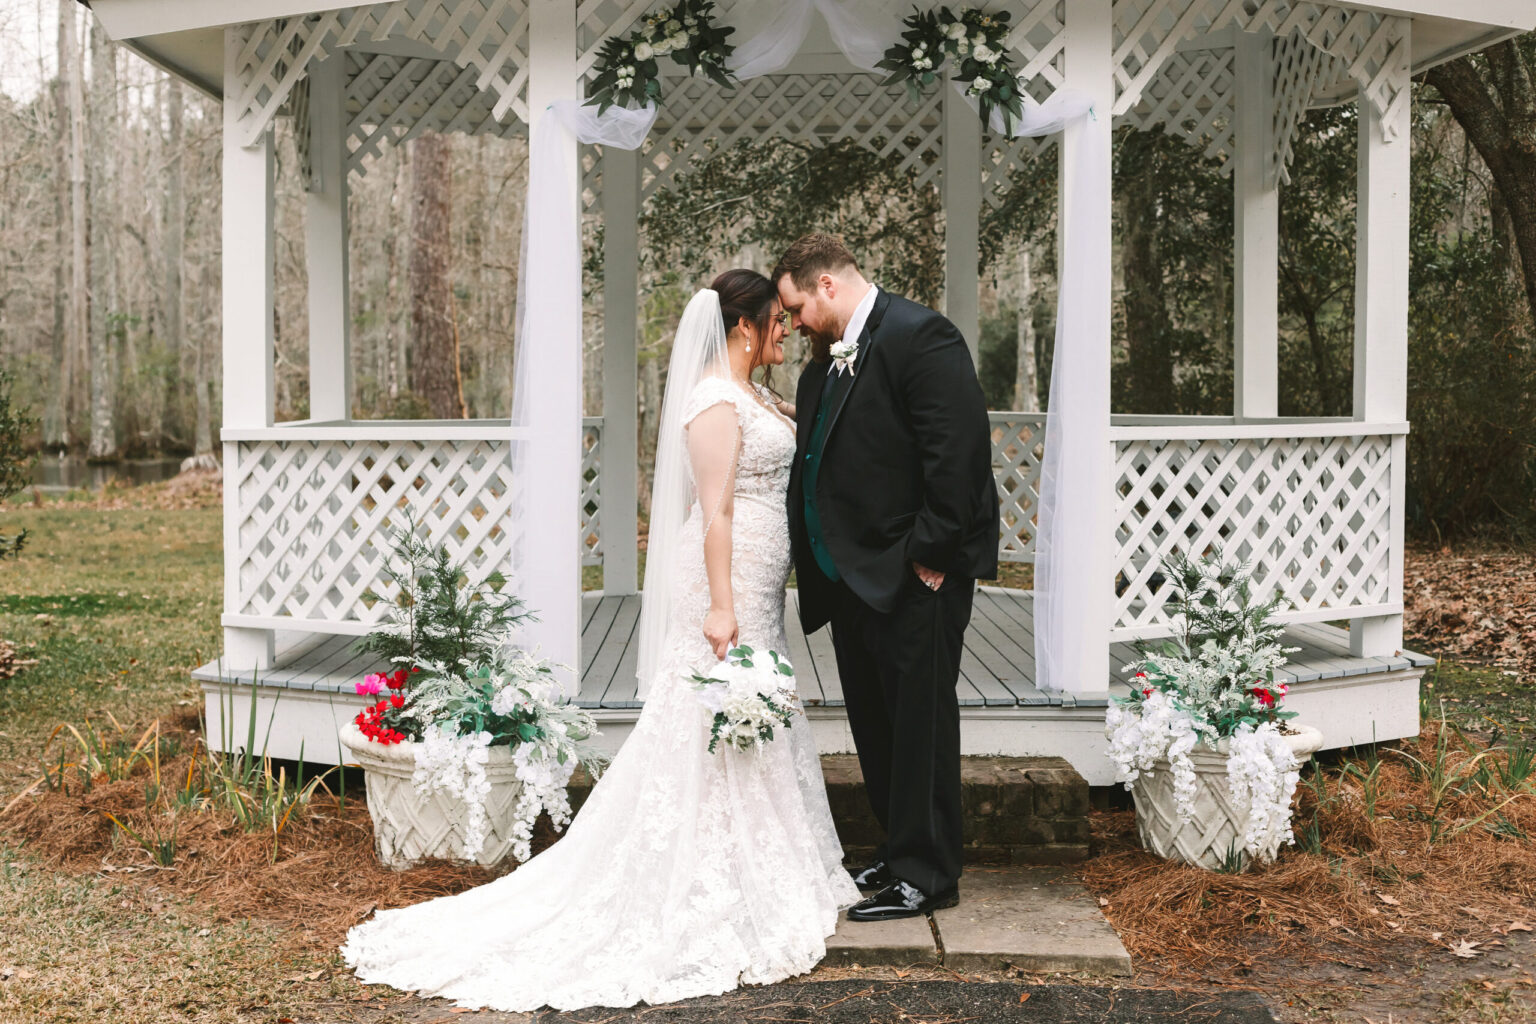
[843, 355]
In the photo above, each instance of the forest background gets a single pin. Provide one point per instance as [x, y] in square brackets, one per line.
[110, 283]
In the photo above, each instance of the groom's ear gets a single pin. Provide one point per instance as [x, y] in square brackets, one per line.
[828, 284]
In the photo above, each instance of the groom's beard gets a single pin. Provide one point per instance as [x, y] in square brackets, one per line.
[821, 345]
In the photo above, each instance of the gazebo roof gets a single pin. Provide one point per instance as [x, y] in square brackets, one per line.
[185, 37]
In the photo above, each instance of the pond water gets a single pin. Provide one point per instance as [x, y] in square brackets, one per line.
[53, 473]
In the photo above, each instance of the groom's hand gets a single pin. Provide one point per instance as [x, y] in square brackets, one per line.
[932, 579]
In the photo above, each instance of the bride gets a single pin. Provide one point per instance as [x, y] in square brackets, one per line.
[685, 873]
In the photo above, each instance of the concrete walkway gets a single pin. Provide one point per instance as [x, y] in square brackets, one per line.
[1033, 918]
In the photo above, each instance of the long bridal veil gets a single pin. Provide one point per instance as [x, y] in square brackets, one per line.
[698, 351]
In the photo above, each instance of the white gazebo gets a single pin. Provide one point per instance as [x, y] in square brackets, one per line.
[1317, 504]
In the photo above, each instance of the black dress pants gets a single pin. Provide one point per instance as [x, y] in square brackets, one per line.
[899, 671]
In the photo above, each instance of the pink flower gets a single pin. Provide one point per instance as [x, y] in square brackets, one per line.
[372, 683]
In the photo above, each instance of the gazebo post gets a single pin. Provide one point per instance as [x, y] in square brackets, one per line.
[1256, 243]
[1088, 596]
[1381, 324]
[330, 315]
[553, 563]
[961, 149]
[248, 324]
[620, 450]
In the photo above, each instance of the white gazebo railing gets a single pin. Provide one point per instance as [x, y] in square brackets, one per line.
[315, 507]
[1018, 444]
[1315, 507]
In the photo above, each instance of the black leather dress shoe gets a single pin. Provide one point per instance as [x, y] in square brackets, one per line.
[899, 899]
[874, 878]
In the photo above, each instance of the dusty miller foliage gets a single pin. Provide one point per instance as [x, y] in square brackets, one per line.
[15, 461]
[438, 616]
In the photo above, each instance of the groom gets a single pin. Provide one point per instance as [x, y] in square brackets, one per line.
[893, 516]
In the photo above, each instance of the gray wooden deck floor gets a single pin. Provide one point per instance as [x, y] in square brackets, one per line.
[996, 670]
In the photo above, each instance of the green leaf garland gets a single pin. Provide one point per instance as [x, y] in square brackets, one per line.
[976, 42]
[628, 74]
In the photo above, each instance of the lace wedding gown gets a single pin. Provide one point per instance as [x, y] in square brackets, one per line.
[686, 873]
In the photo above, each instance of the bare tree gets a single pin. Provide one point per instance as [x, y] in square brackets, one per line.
[1026, 392]
[1493, 97]
[103, 216]
[434, 343]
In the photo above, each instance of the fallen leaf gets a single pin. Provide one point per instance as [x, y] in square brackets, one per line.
[1517, 926]
[1023, 997]
[1391, 901]
[1103, 902]
[1464, 949]
[901, 974]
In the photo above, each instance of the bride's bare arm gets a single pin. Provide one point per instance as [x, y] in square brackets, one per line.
[714, 441]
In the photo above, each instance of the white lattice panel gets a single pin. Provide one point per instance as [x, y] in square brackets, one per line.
[1298, 65]
[1018, 445]
[316, 518]
[698, 118]
[1311, 514]
[591, 491]
[489, 38]
[1192, 98]
[391, 100]
[1368, 47]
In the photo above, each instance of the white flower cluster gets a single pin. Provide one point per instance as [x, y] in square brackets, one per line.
[454, 764]
[1262, 770]
[1163, 729]
[747, 701]
[544, 777]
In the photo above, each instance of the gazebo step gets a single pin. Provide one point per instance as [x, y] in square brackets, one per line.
[1018, 810]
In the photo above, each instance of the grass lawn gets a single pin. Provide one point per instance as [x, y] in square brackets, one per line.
[117, 606]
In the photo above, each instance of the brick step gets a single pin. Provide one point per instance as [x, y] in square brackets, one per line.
[1018, 810]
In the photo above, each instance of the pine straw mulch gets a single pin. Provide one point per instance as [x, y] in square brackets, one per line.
[1377, 886]
[319, 875]
[1478, 604]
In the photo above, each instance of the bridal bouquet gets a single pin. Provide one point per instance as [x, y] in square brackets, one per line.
[749, 696]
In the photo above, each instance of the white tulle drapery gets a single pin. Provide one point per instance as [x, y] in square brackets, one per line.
[1076, 426]
[547, 393]
[861, 35]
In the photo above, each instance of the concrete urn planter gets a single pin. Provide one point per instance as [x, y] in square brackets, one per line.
[409, 828]
[1216, 831]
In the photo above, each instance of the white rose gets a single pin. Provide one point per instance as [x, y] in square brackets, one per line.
[644, 51]
[986, 55]
[979, 39]
[981, 85]
[661, 47]
[678, 41]
[674, 25]
[955, 30]
[963, 47]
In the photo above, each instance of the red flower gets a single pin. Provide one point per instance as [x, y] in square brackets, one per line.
[1265, 697]
[1147, 692]
[397, 701]
[415, 668]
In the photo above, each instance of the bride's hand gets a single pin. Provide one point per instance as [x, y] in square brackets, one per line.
[720, 630]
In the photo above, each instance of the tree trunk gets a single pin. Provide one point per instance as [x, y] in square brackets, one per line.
[77, 346]
[1147, 327]
[1026, 390]
[172, 241]
[434, 356]
[1492, 95]
[103, 221]
[56, 416]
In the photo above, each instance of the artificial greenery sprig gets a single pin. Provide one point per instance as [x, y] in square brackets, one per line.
[1220, 665]
[437, 615]
[977, 43]
[627, 71]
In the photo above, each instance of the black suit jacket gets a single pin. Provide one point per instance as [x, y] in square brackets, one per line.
[906, 465]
